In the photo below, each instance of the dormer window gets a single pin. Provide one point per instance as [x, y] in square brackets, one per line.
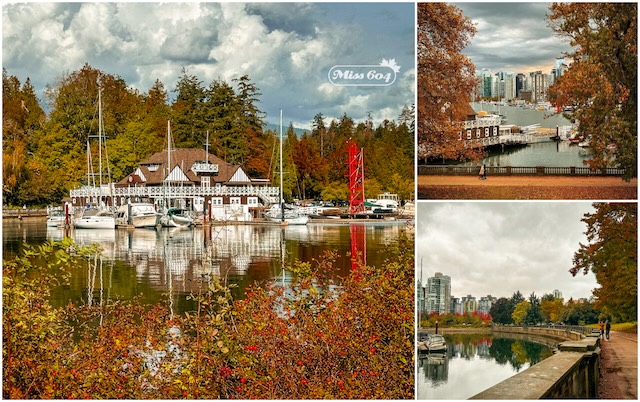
[153, 168]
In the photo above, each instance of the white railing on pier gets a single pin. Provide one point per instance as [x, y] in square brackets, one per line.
[268, 195]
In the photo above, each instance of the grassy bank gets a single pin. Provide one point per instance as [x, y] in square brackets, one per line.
[631, 327]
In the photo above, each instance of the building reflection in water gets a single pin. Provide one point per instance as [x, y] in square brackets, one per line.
[518, 353]
[171, 263]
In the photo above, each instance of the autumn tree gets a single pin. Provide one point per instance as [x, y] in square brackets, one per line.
[446, 79]
[579, 313]
[601, 82]
[22, 117]
[612, 255]
[551, 307]
[519, 314]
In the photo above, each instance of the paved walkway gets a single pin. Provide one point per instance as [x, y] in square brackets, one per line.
[619, 367]
[526, 187]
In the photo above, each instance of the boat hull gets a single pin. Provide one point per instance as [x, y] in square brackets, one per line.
[144, 221]
[95, 223]
[290, 220]
[55, 222]
[176, 221]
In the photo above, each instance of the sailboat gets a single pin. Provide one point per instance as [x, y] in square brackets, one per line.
[172, 217]
[278, 212]
[99, 217]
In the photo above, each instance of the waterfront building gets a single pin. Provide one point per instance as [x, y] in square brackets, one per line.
[454, 305]
[420, 299]
[485, 303]
[520, 84]
[557, 294]
[484, 129]
[469, 304]
[486, 83]
[538, 87]
[194, 179]
[438, 294]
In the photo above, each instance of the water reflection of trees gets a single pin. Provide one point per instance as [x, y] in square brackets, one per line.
[517, 353]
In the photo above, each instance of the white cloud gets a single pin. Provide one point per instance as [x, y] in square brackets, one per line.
[498, 248]
[286, 49]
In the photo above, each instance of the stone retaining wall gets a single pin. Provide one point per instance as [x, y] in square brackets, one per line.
[555, 333]
[570, 373]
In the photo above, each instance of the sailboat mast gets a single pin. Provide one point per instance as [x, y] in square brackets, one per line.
[100, 134]
[168, 148]
[281, 181]
[166, 181]
[207, 149]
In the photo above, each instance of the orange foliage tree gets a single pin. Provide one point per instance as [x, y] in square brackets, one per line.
[601, 82]
[446, 79]
[612, 255]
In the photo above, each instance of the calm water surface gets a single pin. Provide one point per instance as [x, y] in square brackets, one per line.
[525, 117]
[165, 265]
[546, 153]
[474, 363]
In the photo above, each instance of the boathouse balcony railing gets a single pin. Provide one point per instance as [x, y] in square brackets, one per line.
[267, 194]
[454, 170]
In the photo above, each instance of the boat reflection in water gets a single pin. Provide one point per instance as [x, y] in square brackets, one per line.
[171, 262]
[475, 362]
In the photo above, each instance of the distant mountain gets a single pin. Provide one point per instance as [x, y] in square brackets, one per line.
[276, 128]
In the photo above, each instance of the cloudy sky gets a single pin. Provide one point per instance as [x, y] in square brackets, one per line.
[498, 248]
[513, 37]
[287, 49]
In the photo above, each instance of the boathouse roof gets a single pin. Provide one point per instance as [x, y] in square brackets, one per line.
[188, 166]
[471, 114]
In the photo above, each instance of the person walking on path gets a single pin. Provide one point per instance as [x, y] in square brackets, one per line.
[483, 172]
[601, 329]
[607, 327]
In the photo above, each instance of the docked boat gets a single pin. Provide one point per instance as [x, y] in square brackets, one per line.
[292, 217]
[584, 144]
[138, 214]
[55, 218]
[95, 219]
[432, 343]
[176, 218]
[574, 140]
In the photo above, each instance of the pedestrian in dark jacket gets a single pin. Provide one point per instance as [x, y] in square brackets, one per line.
[607, 327]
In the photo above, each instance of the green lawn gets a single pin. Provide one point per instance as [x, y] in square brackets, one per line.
[621, 326]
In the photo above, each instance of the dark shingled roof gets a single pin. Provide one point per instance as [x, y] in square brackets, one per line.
[184, 158]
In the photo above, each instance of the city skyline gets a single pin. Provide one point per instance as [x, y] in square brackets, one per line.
[494, 248]
[512, 37]
[287, 50]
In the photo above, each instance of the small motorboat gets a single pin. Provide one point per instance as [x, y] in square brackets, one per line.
[432, 343]
[55, 218]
